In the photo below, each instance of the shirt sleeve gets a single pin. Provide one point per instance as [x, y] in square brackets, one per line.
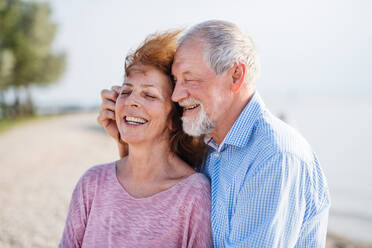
[76, 218]
[275, 202]
[200, 234]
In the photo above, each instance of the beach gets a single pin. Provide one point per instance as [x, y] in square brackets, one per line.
[40, 163]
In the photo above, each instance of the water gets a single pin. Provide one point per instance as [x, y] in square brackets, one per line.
[340, 132]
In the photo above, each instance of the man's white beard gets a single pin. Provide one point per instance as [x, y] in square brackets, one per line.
[201, 124]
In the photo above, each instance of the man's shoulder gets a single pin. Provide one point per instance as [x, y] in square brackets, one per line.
[279, 148]
[272, 136]
[277, 145]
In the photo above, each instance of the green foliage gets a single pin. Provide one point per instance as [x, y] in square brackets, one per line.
[26, 36]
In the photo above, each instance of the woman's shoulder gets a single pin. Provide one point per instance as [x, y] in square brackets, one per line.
[197, 192]
[191, 178]
[97, 172]
[199, 180]
[197, 184]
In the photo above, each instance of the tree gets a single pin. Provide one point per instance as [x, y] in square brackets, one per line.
[26, 56]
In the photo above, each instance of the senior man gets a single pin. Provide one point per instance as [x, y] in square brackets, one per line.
[268, 189]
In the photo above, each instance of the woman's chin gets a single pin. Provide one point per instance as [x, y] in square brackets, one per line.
[136, 140]
[133, 140]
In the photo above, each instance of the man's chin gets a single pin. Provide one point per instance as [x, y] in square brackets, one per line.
[193, 129]
[189, 127]
[197, 126]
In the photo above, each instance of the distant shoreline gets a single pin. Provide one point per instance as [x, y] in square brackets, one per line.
[336, 241]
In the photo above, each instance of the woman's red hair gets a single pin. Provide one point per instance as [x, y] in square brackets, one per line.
[158, 51]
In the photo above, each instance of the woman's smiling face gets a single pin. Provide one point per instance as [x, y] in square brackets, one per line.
[143, 105]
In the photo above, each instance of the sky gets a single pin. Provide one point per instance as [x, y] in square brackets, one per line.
[319, 48]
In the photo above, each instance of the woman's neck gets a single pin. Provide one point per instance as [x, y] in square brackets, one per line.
[147, 162]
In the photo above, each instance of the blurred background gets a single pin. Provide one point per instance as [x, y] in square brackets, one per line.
[56, 56]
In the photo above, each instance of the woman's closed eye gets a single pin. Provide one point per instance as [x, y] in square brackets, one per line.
[126, 92]
[149, 96]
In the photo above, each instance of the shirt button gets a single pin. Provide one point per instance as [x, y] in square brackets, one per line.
[217, 154]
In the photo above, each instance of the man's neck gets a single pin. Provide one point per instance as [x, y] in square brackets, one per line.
[224, 125]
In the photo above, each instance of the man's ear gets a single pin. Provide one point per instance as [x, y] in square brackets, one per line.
[238, 76]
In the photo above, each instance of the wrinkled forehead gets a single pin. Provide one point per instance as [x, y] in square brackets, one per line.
[148, 77]
[189, 58]
[188, 53]
[190, 48]
[145, 73]
[138, 69]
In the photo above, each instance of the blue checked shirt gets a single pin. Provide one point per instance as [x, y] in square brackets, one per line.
[268, 189]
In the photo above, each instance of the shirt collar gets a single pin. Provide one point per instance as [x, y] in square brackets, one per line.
[241, 130]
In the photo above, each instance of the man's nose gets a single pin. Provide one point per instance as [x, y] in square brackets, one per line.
[180, 92]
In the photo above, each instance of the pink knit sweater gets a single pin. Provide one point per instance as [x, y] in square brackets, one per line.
[103, 214]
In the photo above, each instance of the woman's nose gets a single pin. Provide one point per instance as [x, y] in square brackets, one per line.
[132, 100]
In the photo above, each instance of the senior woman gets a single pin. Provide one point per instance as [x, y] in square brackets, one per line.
[152, 197]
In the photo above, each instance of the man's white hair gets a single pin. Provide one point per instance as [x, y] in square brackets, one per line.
[225, 45]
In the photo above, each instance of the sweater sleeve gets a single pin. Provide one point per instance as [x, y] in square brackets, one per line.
[200, 234]
[77, 216]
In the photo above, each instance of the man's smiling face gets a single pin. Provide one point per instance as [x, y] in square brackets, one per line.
[204, 95]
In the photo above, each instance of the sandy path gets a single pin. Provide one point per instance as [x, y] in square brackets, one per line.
[40, 163]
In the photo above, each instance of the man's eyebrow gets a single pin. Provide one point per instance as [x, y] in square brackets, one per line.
[185, 73]
[191, 74]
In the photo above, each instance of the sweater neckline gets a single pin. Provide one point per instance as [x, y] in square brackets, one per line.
[151, 197]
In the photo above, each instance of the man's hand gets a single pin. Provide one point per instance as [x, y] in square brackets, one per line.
[106, 117]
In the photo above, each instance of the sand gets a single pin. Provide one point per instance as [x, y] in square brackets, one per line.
[40, 163]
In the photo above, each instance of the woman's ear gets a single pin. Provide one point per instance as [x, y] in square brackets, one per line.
[238, 76]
